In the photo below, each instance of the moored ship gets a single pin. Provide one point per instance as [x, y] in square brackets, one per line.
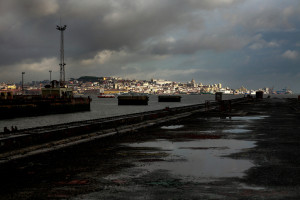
[285, 91]
[133, 99]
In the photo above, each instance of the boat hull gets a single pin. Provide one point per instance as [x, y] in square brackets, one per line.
[133, 100]
[169, 98]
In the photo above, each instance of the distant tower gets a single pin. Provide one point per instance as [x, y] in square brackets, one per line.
[62, 58]
[193, 83]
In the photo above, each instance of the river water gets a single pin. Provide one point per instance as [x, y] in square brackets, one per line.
[105, 107]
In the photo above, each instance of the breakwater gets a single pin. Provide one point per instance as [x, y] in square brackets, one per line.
[37, 140]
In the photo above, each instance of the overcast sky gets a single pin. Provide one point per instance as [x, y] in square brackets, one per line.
[254, 43]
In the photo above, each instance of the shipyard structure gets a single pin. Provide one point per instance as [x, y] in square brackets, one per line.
[55, 98]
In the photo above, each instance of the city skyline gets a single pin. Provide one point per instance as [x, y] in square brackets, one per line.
[154, 86]
[249, 42]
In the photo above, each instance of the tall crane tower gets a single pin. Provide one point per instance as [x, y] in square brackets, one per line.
[62, 57]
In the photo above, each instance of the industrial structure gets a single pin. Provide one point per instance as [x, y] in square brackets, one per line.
[56, 97]
[55, 89]
[62, 56]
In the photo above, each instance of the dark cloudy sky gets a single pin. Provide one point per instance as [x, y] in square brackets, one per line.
[254, 43]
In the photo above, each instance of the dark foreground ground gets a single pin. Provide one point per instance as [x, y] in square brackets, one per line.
[254, 155]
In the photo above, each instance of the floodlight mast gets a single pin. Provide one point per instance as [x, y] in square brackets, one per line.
[62, 57]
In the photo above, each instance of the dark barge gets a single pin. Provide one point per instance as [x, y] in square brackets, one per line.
[133, 100]
[169, 98]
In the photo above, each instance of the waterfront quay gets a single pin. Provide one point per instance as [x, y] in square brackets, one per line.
[249, 151]
[32, 141]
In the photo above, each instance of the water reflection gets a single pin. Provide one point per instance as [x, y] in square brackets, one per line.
[201, 158]
[236, 130]
[248, 118]
[172, 127]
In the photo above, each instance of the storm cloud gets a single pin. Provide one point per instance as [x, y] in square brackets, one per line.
[236, 42]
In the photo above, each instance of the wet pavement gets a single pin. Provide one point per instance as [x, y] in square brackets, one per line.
[197, 160]
[255, 156]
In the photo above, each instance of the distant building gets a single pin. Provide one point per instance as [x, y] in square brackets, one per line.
[193, 83]
[11, 86]
[161, 82]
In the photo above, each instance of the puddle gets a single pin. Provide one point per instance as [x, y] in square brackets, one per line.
[193, 132]
[237, 118]
[249, 118]
[241, 126]
[200, 159]
[236, 130]
[172, 127]
[208, 131]
[248, 187]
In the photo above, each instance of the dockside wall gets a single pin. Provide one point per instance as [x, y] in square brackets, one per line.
[34, 107]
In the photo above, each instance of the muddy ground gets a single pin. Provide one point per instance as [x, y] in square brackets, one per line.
[253, 155]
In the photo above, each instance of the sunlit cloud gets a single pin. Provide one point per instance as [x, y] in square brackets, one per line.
[289, 54]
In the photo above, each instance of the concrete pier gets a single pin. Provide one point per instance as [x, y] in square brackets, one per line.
[250, 153]
[38, 140]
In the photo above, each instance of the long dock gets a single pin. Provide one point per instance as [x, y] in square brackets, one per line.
[33, 141]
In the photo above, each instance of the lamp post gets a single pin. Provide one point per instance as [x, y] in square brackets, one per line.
[23, 82]
[50, 75]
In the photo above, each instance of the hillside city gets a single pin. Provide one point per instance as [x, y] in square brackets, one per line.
[87, 85]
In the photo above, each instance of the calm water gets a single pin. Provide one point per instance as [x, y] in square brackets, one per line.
[105, 108]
